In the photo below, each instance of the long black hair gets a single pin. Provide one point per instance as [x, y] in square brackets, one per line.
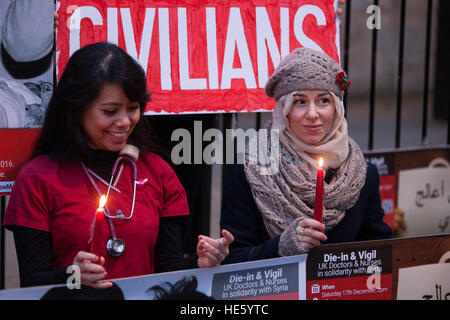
[87, 71]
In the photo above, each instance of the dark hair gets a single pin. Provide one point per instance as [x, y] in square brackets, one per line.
[184, 289]
[84, 293]
[87, 71]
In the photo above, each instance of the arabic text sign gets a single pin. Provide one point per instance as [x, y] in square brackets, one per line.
[202, 56]
[424, 196]
[427, 282]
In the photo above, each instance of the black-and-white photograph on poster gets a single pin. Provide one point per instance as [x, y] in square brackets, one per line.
[26, 61]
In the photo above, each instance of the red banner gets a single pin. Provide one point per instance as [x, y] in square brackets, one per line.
[201, 56]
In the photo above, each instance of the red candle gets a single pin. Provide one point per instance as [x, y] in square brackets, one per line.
[320, 191]
[97, 246]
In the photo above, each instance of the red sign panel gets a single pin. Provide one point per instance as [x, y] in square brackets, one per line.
[359, 273]
[387, 194]
[15, 149]
[201, 56]
[385, 163]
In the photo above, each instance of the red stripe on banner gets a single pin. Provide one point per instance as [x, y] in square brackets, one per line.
[201, 56]
[351, 288]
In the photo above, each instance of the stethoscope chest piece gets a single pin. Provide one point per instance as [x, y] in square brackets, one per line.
[115, 247]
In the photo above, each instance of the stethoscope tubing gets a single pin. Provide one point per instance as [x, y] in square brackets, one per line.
[114, 246]
[114, 170]
[112, 230]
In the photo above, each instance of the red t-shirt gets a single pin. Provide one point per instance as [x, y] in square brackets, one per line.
[58, 197]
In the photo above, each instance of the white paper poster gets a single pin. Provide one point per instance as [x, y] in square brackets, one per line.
[424, 196]
[427, 282]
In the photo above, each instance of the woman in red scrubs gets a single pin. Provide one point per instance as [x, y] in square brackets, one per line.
[96, 109]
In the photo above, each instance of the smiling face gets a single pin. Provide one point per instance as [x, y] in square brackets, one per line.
[109, 120]
[312, 115]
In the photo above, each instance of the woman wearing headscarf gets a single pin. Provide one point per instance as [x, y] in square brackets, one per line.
[271, 214]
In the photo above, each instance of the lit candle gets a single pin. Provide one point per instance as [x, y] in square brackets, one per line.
[320, 191]
[97, 246]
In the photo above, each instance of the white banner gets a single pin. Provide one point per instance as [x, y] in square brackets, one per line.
[280, 278]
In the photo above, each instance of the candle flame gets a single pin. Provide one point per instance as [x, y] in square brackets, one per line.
[102, 201]
[320, 163]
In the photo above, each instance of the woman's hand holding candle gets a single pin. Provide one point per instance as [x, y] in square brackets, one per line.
[91, 264]
[311, 233]
[97, 246]
[92, 271]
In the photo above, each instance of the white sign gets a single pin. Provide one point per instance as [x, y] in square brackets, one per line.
[279, 278]
[427, 282]
[424, 196]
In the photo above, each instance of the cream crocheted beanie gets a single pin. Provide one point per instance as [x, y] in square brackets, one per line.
[304, 69]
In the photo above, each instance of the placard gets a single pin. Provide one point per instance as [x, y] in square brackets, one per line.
[424, 196]
[26, 80]
[282, 278]
[278, 282]
[202, 56]
[15, 149]
[427, 282]
[386, 169]
[349, 273]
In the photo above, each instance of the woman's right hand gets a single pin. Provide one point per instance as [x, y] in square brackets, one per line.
[92, 270]
[311, 233]
[300, 236]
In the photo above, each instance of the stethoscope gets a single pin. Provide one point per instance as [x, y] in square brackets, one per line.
[115, 246]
